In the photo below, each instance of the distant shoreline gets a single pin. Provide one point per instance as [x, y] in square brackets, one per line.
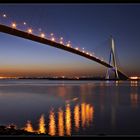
[70, 79]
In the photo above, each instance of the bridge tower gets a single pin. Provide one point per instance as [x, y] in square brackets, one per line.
[112, 59]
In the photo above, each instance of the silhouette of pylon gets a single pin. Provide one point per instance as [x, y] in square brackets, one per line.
[112, 58]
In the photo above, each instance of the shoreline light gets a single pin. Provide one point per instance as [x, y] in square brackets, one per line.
[134, 77]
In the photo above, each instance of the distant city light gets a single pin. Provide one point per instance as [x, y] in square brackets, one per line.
[134, 77]
[14, 25]
[24, 23]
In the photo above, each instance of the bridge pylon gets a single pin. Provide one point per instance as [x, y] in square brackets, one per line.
[112, 59]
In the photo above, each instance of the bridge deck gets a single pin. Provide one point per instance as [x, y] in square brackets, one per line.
[26, 35]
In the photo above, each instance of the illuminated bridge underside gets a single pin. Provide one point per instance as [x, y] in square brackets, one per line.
[22, 34]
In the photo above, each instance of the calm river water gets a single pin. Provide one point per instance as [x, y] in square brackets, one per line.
[69, 108]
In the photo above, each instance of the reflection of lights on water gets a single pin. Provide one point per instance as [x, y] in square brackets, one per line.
[68, 119]
[60, 122]
[87, 114]
[91, 112]
[77, 116]
[52, 124]
[83, 116]
[117, 82]
[134, 83]
[42, 128]
[134, 99]
[29, 127]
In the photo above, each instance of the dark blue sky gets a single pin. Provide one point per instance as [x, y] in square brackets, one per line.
[85, 25]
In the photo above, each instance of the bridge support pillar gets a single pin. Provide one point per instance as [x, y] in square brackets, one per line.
[112, 59]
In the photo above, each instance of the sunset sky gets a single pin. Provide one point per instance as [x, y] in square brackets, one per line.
[87, 26]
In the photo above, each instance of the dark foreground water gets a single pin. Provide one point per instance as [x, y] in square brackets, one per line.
[67, 108]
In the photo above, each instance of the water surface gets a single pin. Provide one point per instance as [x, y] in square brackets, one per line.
[68, 108]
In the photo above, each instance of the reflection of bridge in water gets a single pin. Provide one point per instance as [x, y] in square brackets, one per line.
[66, 122]
[12, 29]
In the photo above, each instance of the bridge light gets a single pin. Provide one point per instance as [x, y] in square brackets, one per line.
[14, 25]
[68, 45]
[53, 39]
[83, 51]
[87, 53]
[102, 59]
[61, 42]
[42, 35]
[52, 34]
[30, 31]
[61, 38]
[4, 15]
[77, 48]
